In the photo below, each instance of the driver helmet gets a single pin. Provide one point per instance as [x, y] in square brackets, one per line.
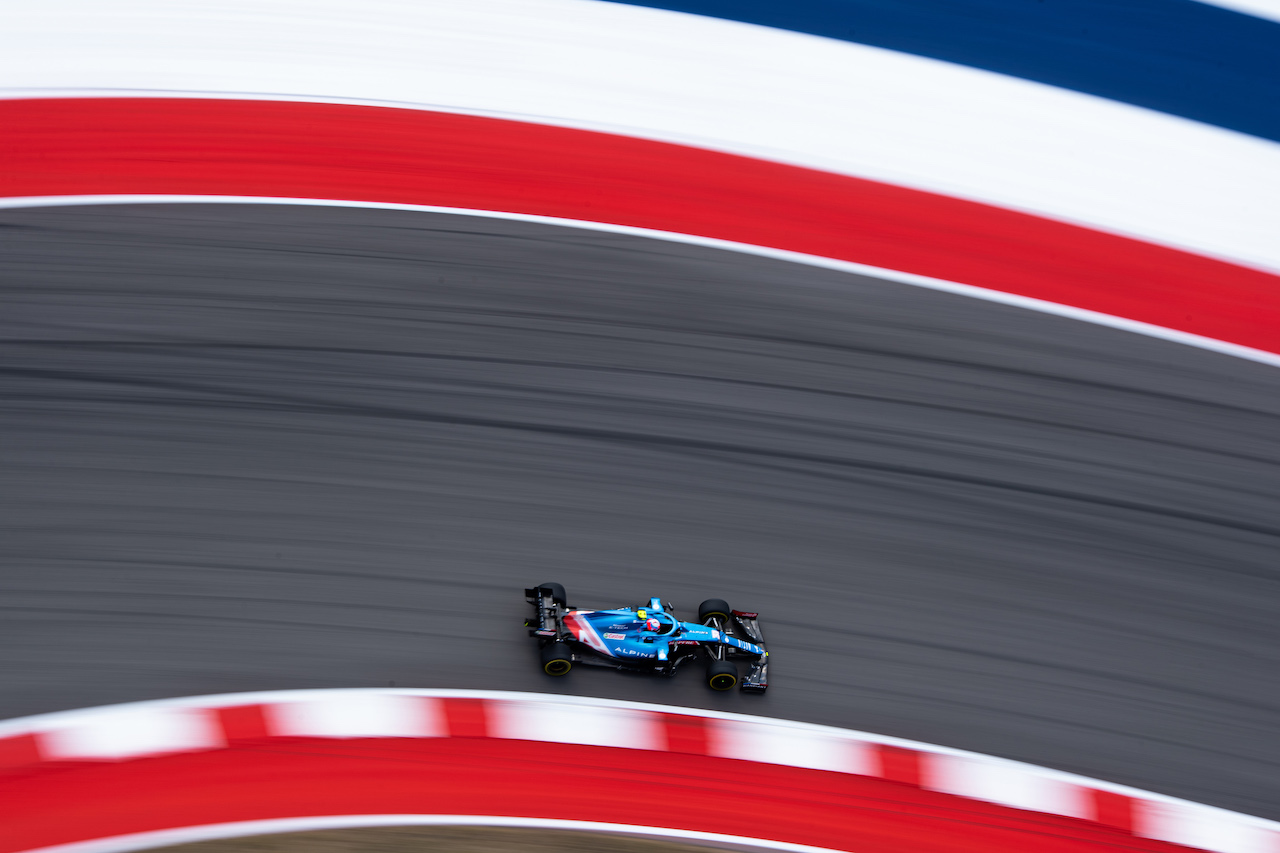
[652, 624]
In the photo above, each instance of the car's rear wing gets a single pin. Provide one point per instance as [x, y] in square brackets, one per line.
[757, 678]
[547, 622]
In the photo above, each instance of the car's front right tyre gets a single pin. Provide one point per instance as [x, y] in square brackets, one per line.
[556, 659]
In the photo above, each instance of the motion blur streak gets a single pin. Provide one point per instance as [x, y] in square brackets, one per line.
[834, 105]
[260, 727]
[256, 447]
[166, 146]
[677, 784]
[1184, 58]
[1267, 9]
[246, 829]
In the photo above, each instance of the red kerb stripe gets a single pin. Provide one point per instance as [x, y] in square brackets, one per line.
[466, 717]
[899, 765]
[18, 752]
[1114, 810]
[685, 733]
[242, 723]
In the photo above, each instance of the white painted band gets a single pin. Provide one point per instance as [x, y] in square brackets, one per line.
[718, 84]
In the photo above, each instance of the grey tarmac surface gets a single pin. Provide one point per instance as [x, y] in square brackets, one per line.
[258, 447]
[448, 839]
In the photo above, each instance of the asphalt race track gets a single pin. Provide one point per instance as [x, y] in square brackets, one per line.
[257, 447]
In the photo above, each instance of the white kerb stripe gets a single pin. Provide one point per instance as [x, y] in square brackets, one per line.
[565, 723]
[1201, 826]
[358, 715]
[1008, 784]
[134, 733]
[780, 744]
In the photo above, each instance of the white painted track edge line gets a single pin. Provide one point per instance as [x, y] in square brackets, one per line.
[213, 832]
[953, 287]
[41, 722]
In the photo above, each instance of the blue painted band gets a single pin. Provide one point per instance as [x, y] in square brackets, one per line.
[1180, 57]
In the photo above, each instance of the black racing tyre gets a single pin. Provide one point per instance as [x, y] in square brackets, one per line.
[722, 675]
[556, 659]
[713, 607]
[557, 593]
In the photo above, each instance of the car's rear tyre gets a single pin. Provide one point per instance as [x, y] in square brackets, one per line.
[713, 607]
[556, 659]
[557, 593]
[722, 675]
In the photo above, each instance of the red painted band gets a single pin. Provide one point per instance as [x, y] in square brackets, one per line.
[330, 151]
[58, 803]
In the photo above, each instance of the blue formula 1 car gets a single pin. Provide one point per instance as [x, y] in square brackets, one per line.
[648, 639]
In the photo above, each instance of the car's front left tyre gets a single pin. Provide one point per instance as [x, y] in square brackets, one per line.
[722, 675]
[556, 658]
[715, 608]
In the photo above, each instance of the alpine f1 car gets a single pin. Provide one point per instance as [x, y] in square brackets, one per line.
[648, 639]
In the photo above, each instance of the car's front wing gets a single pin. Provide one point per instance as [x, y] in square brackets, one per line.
[757, 678]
